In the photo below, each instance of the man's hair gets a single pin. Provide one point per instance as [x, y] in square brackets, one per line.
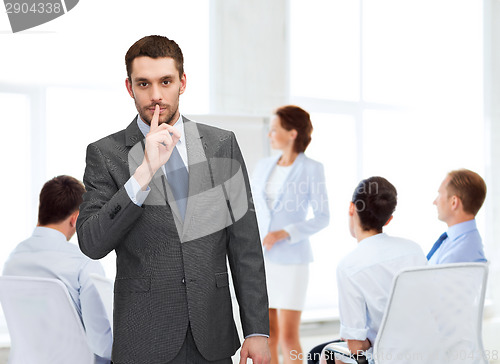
[469, 187]
[375, 199]
[293, 117]
[155, 46]
[59, 198]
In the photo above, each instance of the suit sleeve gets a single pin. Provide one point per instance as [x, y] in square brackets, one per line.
[246, 260]
[107, 213]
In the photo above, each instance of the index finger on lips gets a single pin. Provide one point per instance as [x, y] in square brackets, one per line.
[156, 117]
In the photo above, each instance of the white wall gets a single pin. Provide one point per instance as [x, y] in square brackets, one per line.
[491, 330]
[245, 70]
[248, 47]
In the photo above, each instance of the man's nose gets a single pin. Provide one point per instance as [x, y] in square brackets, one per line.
[155, 93]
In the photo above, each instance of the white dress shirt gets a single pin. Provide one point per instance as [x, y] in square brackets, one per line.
[364, 279]
[48, 254]
[134, 191]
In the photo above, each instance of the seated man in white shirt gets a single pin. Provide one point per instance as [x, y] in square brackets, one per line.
[364, 276]
[49, 254]
[459, 199]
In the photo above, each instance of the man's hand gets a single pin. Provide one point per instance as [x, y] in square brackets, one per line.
[160, 141]
[273, 237]
[257, 349]
[357, 346]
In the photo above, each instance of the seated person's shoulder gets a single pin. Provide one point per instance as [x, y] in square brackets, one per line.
[467, 248]
[405, 245]
[407, 249]
[84, 262]
[381, 250]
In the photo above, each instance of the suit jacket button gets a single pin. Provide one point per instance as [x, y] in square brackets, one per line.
[183, 281]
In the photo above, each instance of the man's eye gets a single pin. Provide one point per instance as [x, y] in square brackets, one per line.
[167, 82]
[143, 84]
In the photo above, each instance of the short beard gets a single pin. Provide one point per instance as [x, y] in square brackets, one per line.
[168, 117]
[143, 112]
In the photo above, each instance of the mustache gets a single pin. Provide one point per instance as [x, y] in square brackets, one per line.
[152, 106]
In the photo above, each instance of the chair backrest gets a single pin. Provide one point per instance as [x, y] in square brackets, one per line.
[434, 315]
[43, 323]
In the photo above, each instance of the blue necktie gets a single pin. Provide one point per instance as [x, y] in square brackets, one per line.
[436, 245]
[178, 179]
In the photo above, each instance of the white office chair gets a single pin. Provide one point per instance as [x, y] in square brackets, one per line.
[43, 323]
[434, 315]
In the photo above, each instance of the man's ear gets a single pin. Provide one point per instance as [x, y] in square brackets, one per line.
[388, 221]
[128, 85]
[183, 84]
[352, 209]
[455, 202]
[73, 218]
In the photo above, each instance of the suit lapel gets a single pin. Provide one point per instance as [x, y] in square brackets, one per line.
[198, 153]
[133, 134]
[199, 173]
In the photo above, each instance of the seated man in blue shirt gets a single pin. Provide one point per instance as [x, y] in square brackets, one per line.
[459, 199]
[364, 276]
[48, 254]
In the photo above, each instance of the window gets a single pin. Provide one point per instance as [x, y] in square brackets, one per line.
[73, 93]
[324, 49]
[16, 147]
[338, 132]
[394, 89]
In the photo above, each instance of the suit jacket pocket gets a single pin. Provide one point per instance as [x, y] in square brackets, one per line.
[221, 279]
[130, 285]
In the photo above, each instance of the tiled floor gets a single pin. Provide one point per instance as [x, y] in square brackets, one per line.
[312, 334]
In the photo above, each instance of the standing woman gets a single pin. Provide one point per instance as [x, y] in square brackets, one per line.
[285, 187]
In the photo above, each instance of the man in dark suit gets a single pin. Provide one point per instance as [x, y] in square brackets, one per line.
[172, 198]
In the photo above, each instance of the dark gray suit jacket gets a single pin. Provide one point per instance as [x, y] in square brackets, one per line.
[172, 273]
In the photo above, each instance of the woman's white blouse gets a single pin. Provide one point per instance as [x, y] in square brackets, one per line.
[275, 183]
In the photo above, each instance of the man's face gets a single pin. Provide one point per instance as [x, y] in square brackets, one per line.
[156, 81]
[443, 201]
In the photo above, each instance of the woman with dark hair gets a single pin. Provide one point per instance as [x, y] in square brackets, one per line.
[364, 276]
[285, 188]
